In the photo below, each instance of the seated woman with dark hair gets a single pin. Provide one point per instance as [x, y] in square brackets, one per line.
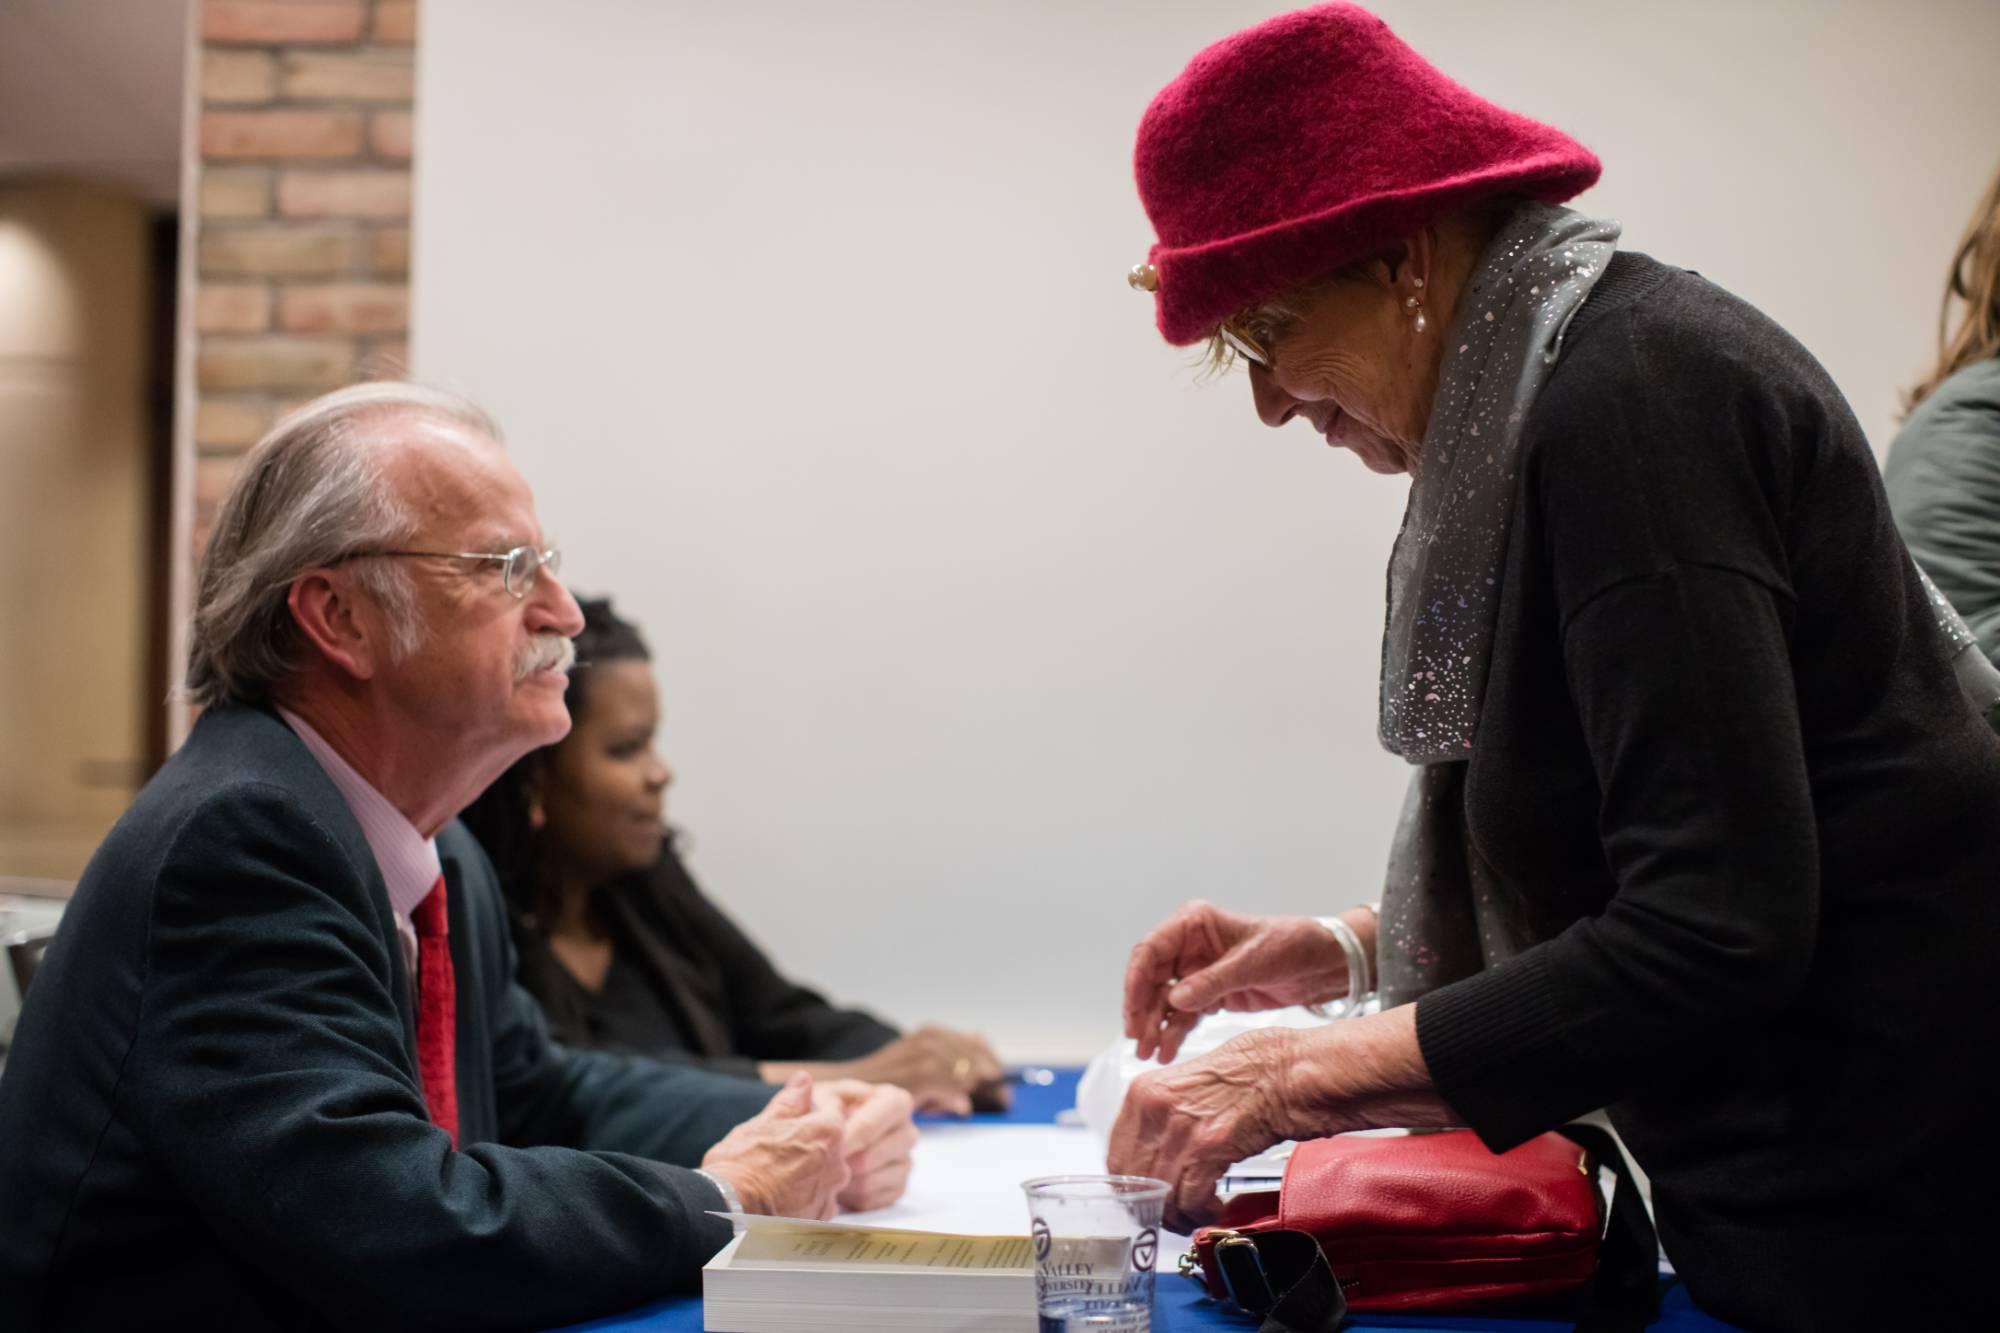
[622, 949]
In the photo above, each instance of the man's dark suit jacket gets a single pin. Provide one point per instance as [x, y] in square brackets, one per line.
[212, 1110]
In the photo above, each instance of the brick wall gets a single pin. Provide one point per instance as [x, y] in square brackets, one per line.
[301, 216]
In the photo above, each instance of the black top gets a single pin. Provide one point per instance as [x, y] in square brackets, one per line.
[687, 984]
[1724, 758]
[631, 1012]
[212, 1116]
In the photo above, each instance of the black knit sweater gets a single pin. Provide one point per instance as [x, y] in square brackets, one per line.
[1724, 763]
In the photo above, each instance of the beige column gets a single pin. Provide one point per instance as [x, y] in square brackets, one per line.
[74, 701]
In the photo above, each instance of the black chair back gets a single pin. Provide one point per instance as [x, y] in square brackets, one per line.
[24, 955]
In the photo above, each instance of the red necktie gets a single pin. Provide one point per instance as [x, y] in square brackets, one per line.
[437, 1010]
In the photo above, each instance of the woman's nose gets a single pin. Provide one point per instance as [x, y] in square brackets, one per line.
[1274, 406]
[658, 775]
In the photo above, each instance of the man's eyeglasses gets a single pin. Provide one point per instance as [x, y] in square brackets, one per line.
[519, 567]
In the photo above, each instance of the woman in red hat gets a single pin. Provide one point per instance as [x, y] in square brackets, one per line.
[1702, 826]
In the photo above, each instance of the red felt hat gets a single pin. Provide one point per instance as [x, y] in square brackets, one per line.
[1310, 141]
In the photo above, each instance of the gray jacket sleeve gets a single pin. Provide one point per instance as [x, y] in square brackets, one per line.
[1943, 478]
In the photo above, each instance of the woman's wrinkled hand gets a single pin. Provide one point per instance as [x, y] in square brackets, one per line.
[1188, 1124]
[1203, 959]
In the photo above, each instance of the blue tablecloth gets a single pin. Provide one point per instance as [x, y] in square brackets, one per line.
[1180, 1306]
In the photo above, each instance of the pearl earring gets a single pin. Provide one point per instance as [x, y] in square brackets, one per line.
[1422, 323]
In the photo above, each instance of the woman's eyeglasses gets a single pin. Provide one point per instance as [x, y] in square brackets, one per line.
[1246, 335]
[1246, 340]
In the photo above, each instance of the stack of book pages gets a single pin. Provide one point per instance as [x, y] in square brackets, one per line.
[787, 1275]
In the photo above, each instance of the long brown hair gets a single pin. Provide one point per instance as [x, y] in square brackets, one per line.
[1975, 280]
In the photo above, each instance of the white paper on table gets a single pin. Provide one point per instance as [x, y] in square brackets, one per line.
[966, 1180]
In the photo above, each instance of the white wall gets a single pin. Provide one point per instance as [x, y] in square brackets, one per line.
[988, 631]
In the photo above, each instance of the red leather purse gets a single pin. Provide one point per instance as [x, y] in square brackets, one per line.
[1433, 1222]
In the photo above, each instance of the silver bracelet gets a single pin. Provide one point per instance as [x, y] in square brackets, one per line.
[1360, 976]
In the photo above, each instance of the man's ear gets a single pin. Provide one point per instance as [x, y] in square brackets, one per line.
[325, 607]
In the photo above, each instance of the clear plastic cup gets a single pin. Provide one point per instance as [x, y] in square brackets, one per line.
[1096, 1239]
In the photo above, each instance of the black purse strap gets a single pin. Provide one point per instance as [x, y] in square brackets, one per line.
[1284, 1276]
[1624, 1297]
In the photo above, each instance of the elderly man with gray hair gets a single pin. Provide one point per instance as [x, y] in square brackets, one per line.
[275, 1070]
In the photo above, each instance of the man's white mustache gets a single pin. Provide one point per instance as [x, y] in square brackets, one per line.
[548, 652]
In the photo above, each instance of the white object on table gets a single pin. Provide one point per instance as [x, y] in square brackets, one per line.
[966, 1180]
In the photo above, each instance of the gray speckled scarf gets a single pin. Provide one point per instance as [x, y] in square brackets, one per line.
[1977, 675]
[1443, 916]
[1444, 576]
